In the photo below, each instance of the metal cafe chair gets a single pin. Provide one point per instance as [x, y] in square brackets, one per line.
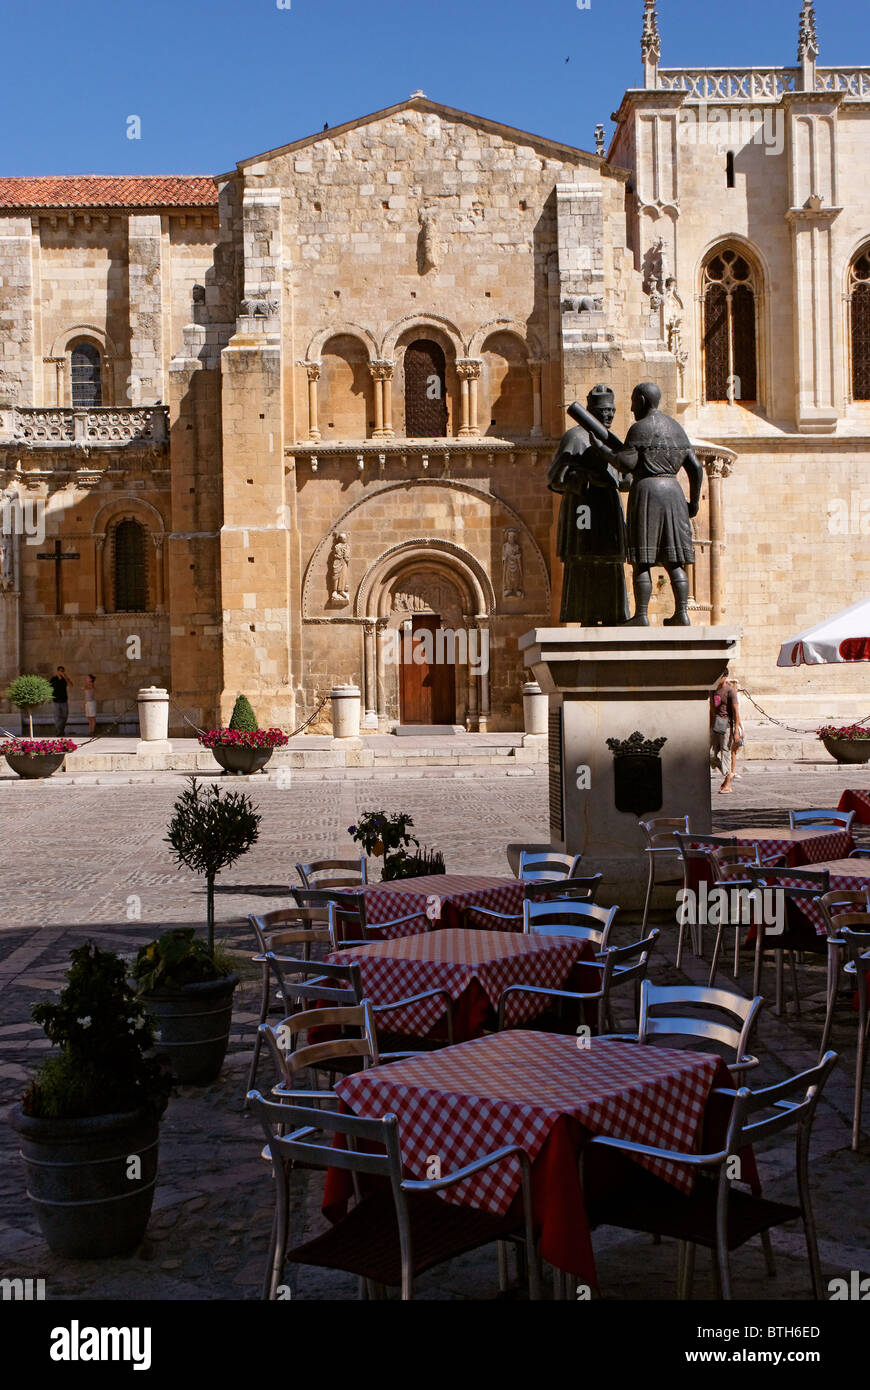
[695, 849]
[584, 921]
[717, 1214]
[275, 932]
[800, 820]
[355, 1045]
[583, 890]
[618, 965]
[855, 946]
[724, 1007]
[835, 904]
[721, 858]
[805, 885]
[345, 914]
[859, 854]
[342, 873]
[397, 1230]
[663, 854]
[547, 867]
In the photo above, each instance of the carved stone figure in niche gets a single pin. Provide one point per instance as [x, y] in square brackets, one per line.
[591, 534]
[512, 582]
[428, 249]
[673, 326]
[339, 566]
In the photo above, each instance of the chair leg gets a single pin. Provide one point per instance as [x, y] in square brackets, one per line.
[688, 1272]
[794, 984]
[860, 1063]
[503, 1272]
[649, 888]
[833, 981]
[759, 948]
[258, 1041]
[769, 1261]
[780, 973]
[715, 961]
[736, 949]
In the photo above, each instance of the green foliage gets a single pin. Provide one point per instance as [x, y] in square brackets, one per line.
[175, 959]
[400, 864]
[379, 833]
[27, 692]
[209, 830]
[243, 716]
[104, 1033]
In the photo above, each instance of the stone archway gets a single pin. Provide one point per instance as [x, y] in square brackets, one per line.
[424, 587]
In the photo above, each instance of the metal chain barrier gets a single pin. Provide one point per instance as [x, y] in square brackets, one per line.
[790, 727]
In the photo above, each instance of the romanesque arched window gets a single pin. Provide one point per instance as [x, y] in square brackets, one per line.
[730, 296]
[130, 570]
[425, 390]
[86, 377]
[859, 313]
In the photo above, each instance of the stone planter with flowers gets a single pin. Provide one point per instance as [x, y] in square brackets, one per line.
[36, 757]
[849, 744]
[243, 747]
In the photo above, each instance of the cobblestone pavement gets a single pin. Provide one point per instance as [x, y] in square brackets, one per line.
[89, 861]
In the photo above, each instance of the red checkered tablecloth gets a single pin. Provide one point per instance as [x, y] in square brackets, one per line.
[514, 1087]
[452, 960]
[844, 874]
[856, 801]
[801, 847]
[440, 900]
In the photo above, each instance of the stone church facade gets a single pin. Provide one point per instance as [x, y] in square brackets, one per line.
[277, 423]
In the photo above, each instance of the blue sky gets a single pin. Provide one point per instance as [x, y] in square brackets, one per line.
[215, 81]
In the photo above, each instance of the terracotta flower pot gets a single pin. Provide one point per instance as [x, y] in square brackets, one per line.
[848, 750]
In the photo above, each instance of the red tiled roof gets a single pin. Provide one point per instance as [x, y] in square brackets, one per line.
[107, 191]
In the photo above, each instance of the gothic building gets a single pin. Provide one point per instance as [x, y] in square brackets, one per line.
[271, 419]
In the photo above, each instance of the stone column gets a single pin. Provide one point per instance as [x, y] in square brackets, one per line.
[716, 466]
[382, 373]
[389, 368]
[536, 368]
[482, 625]
[313, 370]
[380, 692]
[468, 369]
[145, 275]
[370, 678]
[58, 363]
[159, 597]
[99, 548]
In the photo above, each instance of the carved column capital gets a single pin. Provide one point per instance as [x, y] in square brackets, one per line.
[382, 370]
[716, 466]
[469, 368]
[313, 369]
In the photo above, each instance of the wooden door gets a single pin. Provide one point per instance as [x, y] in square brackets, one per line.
[425, 390]
[427, 688]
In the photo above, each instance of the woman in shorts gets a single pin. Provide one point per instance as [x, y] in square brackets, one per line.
[91, 703]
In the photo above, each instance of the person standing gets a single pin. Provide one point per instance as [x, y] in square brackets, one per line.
[90, 693]
[726, 730]
[60, 687]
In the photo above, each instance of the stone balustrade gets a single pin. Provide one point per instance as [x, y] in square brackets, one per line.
[111, 427]
[760, 84]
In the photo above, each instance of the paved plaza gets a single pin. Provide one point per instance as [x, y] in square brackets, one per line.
[89, 861]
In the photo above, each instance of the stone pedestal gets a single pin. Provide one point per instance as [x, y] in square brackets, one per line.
[345, 711]
[153, 703]
[536, 708]
[612, 683]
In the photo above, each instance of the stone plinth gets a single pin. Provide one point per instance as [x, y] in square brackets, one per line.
[610, 683]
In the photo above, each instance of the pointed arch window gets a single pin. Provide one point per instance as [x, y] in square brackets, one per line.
[859, 315]
[131, 576]
[86, 376]
[730, 296]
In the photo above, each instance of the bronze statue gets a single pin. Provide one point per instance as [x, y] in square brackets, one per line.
[659, 528]
[591, 534]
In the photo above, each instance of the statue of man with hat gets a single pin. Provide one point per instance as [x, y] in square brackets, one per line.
[591, 540]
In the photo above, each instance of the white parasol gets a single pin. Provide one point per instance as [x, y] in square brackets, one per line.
[845, 637]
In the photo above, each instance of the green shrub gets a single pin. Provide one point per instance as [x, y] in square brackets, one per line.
[243, 716]
[104, 1035]
[401, 864]
[174, 960]
[209, 830]
[28, 692]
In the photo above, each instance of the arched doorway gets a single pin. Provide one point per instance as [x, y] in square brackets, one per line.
[428, 614]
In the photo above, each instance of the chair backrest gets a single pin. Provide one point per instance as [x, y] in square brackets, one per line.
[333, 873]
[549, 866]
[661, 831]
[716, 1002]
[803, 883]
[301, 1146]
[315, 903]
[630, 961]
[578, 889]
[859, 853]
[838, 901]
[799, 820]
[306, 982]
[723, 859]
[287, 927]
[569, 918]
[290, 1058]
[743, 1130]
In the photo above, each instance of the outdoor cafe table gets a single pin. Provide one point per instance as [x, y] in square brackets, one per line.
[547, 1094]
[474, 967]
[859, 802]
[805, 846]
[440, 900]
[844, 874]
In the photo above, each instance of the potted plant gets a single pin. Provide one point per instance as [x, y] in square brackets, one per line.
[849, 744]
[243, 748]
[403, 865]
[36, 757]
[383, 834]
[28, 693]
[89, 1119]
[187, 988]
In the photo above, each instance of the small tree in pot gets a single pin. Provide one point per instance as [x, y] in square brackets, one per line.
[187, 989]
[28, 693]
[89, 1119]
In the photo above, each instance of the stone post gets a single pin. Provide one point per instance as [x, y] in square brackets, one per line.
[153, 703]
[536, 707]
[345, 711]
